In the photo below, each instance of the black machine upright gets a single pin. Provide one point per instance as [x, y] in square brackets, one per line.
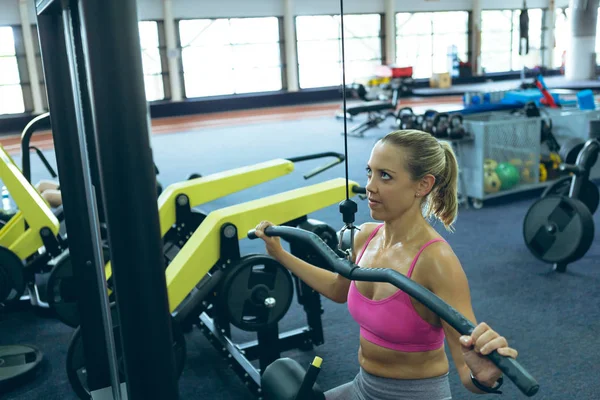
[100, 126]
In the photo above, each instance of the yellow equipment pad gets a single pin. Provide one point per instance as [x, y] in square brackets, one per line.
[34, 210]
[211, 187]
[202, 251]
[208, 188]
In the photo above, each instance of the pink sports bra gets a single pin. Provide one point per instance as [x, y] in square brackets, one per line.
[393, 322]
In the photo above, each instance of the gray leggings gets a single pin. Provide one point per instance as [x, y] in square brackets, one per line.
[370, 387]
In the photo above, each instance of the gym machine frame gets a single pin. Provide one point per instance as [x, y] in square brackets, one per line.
[96, 93]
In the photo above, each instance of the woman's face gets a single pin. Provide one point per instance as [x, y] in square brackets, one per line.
[390, 189]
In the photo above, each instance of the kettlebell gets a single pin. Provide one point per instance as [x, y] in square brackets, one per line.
[406, 118]
[441, 122]
[456, 130]
[428, 118]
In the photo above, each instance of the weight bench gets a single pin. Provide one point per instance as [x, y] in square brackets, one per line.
[377, 112]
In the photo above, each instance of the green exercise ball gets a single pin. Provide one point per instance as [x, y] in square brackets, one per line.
[508, 174]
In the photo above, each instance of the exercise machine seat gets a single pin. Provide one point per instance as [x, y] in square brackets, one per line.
[370, 106]
[282, 380]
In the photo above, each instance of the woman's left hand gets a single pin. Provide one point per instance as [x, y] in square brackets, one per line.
[483, 341]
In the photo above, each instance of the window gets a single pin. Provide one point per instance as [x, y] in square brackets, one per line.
[500, 40]
[320, 50]
[11, 94]
[534, 57]
[496, 40]
[425, 40]
[152, 65]
[562, 32]
[229, 56]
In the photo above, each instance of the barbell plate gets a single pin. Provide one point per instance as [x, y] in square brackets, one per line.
[238, 295]
[558, 229]
[589, 193]
[76, 363]
[12, 282]
[16, 362]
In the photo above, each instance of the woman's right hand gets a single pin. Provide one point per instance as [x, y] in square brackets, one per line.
[273, 244]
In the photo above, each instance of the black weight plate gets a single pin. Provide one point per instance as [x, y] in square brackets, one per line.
[76, 366]
[62, 288]
[12, 282]
[589, 193]
[16, 363]
[559, 188]
[570, 149]
[255, 281]
[558, 229]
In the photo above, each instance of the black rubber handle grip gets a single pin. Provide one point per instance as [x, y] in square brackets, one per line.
[340, 158]
[509, 366]
[325, 167]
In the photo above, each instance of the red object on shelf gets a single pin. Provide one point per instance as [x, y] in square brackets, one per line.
[392, 71]
[548, 100]
[402, 72]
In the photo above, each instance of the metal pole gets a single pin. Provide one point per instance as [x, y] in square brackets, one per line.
[121, 120]
[65, 130]
[71, 25]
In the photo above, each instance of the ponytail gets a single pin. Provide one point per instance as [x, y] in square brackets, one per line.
[445, 197]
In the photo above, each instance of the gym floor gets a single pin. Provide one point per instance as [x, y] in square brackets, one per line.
[552, 319]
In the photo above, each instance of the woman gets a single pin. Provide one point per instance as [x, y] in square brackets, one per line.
[411, 177]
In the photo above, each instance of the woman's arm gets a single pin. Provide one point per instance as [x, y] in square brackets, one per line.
[329, 284]
[446, 278]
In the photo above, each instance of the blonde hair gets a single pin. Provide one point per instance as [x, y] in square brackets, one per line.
[426, 155]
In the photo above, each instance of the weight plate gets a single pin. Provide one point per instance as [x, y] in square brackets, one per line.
[558, 229]
[76, 366]
[12, 282]
[256, 292]
[62, 288]
[16, 362]
[589, 193]
[570, 149]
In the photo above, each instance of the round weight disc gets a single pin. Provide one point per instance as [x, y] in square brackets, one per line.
[559, 188]
[256, 292]
[12, 283]
[62, 288]
[75, 363]
[570, 149]
[589, 193]
[558, 229]
[16, 362]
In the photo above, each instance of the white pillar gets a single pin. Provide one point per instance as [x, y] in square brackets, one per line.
[34, 77]
[476, 38]
[173, 53]
[548, 44]
[291, 58]
[390, 31]
[581, 61]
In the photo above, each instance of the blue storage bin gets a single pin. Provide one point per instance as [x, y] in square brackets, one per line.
[585, 99]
